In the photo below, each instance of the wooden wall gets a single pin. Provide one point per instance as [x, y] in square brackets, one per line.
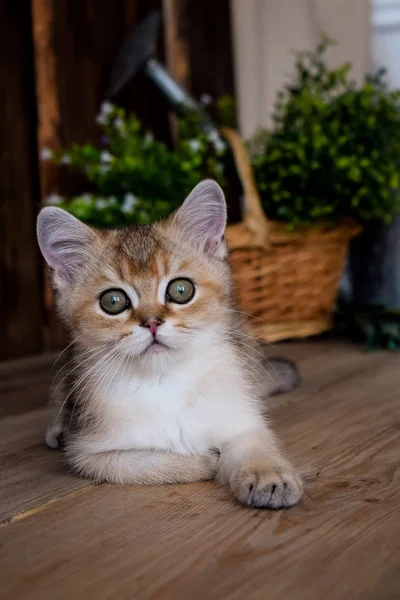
[54, 65]
[21, 310]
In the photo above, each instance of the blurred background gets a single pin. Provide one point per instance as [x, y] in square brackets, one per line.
[233, 56]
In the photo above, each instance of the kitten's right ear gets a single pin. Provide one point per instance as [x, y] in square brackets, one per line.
[64, 242]
[203, 217]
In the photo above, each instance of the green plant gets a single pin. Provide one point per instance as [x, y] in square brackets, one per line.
[132, 177]
[334, 150]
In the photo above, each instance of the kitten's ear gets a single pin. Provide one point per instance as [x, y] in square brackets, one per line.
[65, 243]
[203, 217]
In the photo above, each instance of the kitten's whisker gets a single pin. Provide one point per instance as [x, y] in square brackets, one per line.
[257, 362]
[113, 365]
[61, 353]
[92, 352]
[92, 372]
[260, 339]
[65, 400]
[80, 380]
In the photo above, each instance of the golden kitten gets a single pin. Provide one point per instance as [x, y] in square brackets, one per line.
[161, 384]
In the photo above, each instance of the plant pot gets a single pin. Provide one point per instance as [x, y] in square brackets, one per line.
[372, 275]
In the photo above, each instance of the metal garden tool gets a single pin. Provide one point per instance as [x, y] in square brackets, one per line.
[137, 54]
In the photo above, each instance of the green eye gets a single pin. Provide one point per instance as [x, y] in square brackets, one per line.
[180, 291]
[114, 302]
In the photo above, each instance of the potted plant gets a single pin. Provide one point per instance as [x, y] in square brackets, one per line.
[132, 177]
[328, 166]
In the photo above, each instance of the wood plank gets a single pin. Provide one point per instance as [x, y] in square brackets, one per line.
[343, 541]
[177, 47]
[48, 136]
[24, 384]
[21, 301]
[31, 475]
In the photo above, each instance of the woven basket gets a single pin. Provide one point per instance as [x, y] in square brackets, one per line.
[287, 281]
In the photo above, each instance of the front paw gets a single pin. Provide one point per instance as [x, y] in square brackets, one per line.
[54, 437]
[261, 484]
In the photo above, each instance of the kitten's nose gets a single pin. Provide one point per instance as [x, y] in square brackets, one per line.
[152, 323]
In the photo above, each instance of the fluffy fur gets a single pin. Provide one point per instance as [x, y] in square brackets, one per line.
[187, 408]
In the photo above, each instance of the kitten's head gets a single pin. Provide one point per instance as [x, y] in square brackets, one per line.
[148, 292]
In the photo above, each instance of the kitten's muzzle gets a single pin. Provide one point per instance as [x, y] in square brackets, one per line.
[152, 323]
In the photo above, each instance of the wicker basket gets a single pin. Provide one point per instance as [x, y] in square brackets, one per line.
[287, 281]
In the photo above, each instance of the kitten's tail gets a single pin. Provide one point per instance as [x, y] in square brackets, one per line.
[284, 376]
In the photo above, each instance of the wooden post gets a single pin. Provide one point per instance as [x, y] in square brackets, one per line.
[21, 298]
[175, 14]
[176, 40]
[48, 137]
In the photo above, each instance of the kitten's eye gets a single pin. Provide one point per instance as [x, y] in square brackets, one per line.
[180, 291]
[114, 302]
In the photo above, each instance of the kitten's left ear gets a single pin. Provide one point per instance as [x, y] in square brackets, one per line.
[203, 217]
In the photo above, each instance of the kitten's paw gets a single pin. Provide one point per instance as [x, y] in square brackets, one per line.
[265, 485]
[54, 436]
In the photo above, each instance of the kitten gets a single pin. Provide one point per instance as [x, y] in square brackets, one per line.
[161, 385]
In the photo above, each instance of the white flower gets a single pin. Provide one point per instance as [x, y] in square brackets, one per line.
[129, 202]
[65, 159]
[54, 199]
[101, 120]
[101, 203]
[105, 157]
[216, 141]
[119, 125]
[206, 99]
[112, 201]
[103, 117]
[106, 108]
[46, 154]
[148, 138]
[194, 145]
[104, 168]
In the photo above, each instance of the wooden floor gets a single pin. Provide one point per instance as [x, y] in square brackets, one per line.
[62, 537]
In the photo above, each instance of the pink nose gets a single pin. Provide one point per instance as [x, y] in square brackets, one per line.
[152, 323]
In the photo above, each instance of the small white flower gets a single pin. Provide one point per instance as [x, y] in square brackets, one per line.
[112, 201]
[54, 199]
[101, 203]
[105, 109]
[104, 168]
[216, 141]
[105, 157]
[65, 159]
[148, 138]
[129, 202]
[194, 145]
[101, 120]
[206, 99]
[46, 154]
[119, 125]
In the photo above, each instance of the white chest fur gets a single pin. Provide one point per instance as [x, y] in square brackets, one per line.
[179, 411]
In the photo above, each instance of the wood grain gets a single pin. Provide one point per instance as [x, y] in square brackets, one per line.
[48, 136]
[31, 475]
[193, 541]
[24, 384]
[20, 288]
